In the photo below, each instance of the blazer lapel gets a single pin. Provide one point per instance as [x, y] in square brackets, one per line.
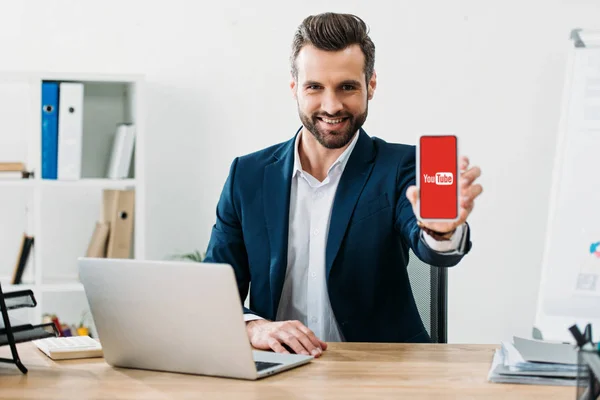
[353, 179]
[277, 181]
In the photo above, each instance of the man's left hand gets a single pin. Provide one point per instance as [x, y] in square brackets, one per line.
[468, 193]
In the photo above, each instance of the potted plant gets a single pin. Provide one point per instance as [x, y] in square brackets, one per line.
[193, 256]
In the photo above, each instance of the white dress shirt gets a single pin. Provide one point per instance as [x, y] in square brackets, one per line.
[304, 296]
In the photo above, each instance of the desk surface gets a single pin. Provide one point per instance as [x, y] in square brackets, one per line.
[345, 371]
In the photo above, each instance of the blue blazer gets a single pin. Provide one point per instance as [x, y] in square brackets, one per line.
[371, 229]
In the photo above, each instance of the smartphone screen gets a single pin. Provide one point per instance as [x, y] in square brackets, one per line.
[438, 177]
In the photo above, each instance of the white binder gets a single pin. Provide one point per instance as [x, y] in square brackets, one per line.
[128, 146]
[70, 130]
[122, 152]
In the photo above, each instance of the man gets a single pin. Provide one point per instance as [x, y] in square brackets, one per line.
[322, 224]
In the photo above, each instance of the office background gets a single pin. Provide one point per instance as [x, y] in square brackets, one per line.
[217, 87]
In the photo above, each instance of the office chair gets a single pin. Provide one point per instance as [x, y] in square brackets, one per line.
[430, 289]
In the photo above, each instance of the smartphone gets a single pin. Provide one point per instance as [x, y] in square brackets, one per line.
[437, 178]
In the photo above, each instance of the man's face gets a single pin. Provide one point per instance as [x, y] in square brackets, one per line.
[332, 94]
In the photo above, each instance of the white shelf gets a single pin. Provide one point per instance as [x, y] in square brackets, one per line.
[62, 287]
[8, 76]
[14, 288]
[92, 182]
[45, 287]
[89, 77]
[7, 183]
[89, 183]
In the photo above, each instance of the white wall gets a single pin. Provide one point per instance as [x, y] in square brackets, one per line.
[489, 71]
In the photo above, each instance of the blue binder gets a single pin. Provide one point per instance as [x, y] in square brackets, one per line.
[49, 130]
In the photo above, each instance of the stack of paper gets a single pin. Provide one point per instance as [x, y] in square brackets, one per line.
[534, 362]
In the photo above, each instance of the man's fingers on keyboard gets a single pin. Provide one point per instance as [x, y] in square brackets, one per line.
[293, 343]
[310, 334]
[276, 346]
[306, 342]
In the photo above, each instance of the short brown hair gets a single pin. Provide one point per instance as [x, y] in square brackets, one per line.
[333, 32]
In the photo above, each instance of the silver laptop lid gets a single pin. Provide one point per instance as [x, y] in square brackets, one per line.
[168, 315]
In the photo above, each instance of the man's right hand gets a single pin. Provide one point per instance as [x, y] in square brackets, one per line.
[267, 335]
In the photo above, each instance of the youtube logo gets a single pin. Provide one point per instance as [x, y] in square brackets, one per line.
[444, 178]
[441, 178]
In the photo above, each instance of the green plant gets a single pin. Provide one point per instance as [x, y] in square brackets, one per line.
[193, 256]
[86, 317]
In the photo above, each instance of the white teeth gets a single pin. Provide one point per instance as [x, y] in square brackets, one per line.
[332, 121]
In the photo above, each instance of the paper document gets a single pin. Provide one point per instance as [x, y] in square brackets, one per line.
[511, 365]
[499, 373]
[546, 352]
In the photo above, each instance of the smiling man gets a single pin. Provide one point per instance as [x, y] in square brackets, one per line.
[321, 225]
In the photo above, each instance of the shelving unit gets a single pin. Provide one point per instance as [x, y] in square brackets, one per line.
[61, 215]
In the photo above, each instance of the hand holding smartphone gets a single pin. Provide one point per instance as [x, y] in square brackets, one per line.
[437, 178]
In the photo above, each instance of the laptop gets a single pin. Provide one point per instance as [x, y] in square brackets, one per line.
[174, 316]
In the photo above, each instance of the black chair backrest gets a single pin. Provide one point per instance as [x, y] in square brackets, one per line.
[430, 289]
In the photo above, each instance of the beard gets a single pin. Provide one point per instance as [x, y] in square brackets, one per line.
[333, 139]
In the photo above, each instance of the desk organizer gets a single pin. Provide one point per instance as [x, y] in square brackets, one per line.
[588, 379]
[14, 332]
[588, 361]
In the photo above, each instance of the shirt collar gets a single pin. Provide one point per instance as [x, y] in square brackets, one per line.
[340, 163]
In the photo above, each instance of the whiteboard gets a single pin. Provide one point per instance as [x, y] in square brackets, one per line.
[570, 283]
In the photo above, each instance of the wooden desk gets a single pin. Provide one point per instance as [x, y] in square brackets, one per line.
[345, 371]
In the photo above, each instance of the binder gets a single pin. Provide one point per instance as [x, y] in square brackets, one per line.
[26, 244]
[122, 151]
[49, 130]
[99, 240]
[118, 210]
[128, 145]
[70, 130]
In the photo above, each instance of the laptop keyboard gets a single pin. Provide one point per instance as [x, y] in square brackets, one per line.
[260, 365]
